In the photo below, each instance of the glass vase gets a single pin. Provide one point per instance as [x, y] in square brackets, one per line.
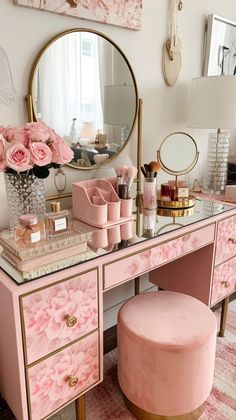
[25, 194]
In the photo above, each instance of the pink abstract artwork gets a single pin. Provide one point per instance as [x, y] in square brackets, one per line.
[126, 13]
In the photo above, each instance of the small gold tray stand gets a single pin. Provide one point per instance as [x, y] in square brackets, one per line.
[181, 204]
[175, 212]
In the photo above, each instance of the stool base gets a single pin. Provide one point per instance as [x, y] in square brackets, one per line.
[141, 414]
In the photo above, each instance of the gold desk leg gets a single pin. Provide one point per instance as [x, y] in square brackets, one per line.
[137, 286]
[223, 318]
[80, 408]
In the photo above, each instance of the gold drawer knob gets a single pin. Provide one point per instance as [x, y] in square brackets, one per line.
[225, 283]
[233, 240]
[72, 381]
[70, 320]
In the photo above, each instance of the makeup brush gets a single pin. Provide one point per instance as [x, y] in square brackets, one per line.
[144, 172]
[124, 172]
[120, 179]
[118, 171]
[131, 174]
[154, 166]
[146, 166]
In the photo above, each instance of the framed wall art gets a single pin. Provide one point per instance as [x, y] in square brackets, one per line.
[126, 13]
[220, 51]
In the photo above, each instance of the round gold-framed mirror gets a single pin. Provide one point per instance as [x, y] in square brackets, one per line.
[178, 153]
[82, 85]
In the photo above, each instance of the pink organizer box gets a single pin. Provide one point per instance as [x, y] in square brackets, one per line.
[96, 202]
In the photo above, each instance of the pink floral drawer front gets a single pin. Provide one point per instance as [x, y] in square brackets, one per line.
[224, 281]
[226, 240]
[59, 314]
[151, 258]
[62, 377]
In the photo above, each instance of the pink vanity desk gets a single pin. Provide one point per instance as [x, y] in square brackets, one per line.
[51, 328]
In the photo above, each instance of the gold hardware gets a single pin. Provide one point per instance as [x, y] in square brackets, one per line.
[70, 320]
[180, 5]
[225, 283]
[72, 381]
[170, 53]
[233, 240]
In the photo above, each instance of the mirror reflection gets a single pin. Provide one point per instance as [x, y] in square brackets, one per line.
[83, 87]
[178, 153]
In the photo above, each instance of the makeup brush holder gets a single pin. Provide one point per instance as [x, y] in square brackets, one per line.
[150, 193]
[104, 238]
[96, 202]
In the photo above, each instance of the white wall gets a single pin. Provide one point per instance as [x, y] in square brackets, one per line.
[23, 32]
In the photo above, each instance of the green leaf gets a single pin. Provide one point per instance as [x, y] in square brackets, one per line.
[41, 171]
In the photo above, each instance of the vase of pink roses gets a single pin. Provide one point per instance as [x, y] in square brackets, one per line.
[26, 155]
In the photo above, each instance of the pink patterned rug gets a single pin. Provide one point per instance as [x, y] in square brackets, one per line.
[105, 401]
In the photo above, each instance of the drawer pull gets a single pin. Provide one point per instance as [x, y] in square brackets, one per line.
[70, 320]
[233, 240]
[225, 283]
[72, 381]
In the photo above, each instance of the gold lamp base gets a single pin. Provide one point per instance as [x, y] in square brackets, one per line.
[174, 204]
[141, 414]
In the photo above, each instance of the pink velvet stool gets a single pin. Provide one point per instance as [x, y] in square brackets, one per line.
[166, 355]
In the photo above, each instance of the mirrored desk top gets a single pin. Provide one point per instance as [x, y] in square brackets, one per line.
[151, 223]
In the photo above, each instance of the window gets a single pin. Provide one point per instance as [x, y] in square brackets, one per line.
[87, 47]
[87, 112]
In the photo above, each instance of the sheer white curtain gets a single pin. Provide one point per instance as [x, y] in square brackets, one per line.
[68, 83]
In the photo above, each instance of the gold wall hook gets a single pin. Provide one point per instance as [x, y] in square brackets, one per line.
[180, 5]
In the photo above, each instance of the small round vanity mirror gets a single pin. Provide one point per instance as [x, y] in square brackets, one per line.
[83, 87]
[178, 153]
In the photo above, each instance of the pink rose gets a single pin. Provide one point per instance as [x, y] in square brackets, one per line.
[2, 129]
[18, 158]
[37, 131]
[16, 135]
[2, 146]
[2, 153]
[53, 136]
[61, 152]
[41, 154]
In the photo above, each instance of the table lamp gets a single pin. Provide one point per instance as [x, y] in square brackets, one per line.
[212, 104]
[119, 107]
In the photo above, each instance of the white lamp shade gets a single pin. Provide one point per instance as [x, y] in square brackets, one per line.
[119, 105]
[212, 102]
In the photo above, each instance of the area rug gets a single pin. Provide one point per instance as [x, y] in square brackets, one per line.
[105, 401]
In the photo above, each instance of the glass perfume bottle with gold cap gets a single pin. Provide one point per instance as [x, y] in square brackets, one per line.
[58, 221]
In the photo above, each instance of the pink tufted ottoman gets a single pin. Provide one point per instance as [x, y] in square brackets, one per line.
[166, 355]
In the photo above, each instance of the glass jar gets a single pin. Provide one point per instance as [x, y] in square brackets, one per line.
[29, 231]
[150, 193]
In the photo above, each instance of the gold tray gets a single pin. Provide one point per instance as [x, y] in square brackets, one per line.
[183, 204]
[175, 212]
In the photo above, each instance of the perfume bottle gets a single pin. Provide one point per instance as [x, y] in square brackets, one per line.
[58, 221]
[29, 231]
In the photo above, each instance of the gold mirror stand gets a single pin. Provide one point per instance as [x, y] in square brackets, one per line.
[186, 202]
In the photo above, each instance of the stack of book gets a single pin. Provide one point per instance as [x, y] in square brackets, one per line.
[50, 255]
